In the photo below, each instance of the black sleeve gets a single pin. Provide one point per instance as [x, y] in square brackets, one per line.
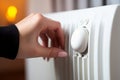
[9, 41]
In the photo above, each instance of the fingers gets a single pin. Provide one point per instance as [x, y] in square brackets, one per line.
[56, 27]
[51, 52]
[60, 36]
[36, 25]
[54, 31]
[54, 41]
[44, 39]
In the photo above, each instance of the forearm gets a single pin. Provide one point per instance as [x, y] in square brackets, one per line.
[9, 41]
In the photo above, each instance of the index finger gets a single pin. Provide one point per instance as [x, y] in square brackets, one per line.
[55, 26]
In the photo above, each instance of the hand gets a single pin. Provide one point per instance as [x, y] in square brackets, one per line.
[34, 26]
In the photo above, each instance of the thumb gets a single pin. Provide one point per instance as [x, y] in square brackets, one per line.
[51, 52]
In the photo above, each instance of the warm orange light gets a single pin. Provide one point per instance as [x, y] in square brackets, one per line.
[11, 13]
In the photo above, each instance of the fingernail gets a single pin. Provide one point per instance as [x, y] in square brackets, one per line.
[62, 54]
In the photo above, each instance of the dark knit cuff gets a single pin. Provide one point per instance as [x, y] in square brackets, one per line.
[9, 41]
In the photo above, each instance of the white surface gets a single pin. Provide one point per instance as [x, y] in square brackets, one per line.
[102, 60]
[40, 69]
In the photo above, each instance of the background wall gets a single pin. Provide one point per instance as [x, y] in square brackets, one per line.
[4, 4]
[64, 5]
[40, 6]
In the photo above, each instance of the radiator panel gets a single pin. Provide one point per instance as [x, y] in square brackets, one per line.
[99, 62]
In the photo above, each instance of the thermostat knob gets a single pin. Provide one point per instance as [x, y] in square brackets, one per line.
[79, 39]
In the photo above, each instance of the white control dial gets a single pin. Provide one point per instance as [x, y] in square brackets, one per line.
[79, 39]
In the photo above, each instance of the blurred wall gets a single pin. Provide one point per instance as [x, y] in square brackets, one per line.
[21, 6]
[40, 6]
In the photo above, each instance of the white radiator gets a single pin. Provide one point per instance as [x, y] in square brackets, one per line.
[99, 60]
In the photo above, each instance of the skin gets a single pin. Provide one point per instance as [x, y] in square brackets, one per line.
[34, 26]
